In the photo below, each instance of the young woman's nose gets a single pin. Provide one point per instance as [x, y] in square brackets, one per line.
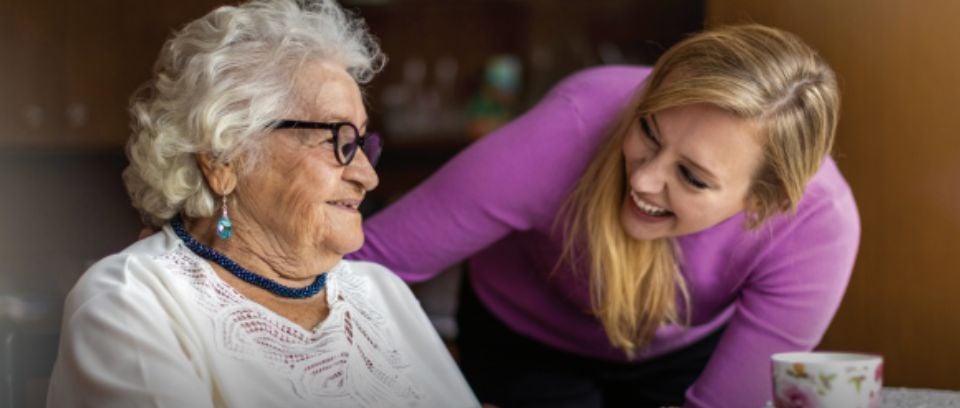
[649, 176]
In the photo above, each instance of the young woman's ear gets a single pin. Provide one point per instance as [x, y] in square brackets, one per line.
[221, 176]
[754, 210]
[751, 204]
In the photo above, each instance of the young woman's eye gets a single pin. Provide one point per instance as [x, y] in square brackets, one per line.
[645, 126]
[692, 179]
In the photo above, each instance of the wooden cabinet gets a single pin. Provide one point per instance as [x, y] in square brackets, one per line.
[549, 38]
[69, 67]
[897, 146]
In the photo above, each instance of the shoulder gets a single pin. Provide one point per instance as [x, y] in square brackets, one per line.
[386, 283]
[828, 185]
[386, 292]
[118, 276]
[824, 230]
[827, 206]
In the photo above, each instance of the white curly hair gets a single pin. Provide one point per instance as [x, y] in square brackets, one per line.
[217, 85]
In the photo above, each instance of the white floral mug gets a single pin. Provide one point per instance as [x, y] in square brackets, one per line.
[827, 380]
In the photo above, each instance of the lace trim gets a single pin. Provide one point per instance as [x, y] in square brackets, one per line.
[348, 357]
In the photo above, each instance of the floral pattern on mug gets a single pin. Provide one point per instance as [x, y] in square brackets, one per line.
[797, 396]
[817, 381]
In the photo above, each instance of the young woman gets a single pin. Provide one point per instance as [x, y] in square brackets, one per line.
[643, 238]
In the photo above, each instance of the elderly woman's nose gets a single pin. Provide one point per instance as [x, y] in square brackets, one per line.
[360, 171]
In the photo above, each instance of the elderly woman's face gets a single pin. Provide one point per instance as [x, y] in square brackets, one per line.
[299, 191]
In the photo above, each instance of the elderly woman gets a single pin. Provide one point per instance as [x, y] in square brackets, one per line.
[250, 151]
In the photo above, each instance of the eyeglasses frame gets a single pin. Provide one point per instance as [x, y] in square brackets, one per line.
[334, 128]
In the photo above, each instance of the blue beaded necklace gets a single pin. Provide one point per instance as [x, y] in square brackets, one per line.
[241, 272]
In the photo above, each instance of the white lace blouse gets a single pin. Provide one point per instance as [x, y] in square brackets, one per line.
[154, 326]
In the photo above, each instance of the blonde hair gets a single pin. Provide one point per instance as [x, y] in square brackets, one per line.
[761, 74]
[218, 82]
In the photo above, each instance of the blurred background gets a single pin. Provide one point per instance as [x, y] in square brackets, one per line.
[458, 69]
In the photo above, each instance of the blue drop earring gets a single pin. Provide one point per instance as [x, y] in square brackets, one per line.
[224, 225]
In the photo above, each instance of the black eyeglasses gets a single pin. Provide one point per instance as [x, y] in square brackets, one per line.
[346, 139]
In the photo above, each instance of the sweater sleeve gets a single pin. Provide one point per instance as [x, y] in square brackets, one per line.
[514, 179]
[797, 280]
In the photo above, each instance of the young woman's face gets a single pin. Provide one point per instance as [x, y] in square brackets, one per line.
[688, 168]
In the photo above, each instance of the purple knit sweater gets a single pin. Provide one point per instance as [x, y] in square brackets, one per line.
[774, 289]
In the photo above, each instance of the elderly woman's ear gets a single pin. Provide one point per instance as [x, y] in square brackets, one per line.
[220, 176]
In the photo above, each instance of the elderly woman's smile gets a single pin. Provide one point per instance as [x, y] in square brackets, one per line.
[346, 204]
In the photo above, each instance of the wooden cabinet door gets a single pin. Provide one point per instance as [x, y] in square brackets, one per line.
[69, 67]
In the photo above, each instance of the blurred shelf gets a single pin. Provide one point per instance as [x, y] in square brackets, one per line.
[432, 149]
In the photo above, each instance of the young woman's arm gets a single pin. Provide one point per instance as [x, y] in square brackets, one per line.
[513, 179]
